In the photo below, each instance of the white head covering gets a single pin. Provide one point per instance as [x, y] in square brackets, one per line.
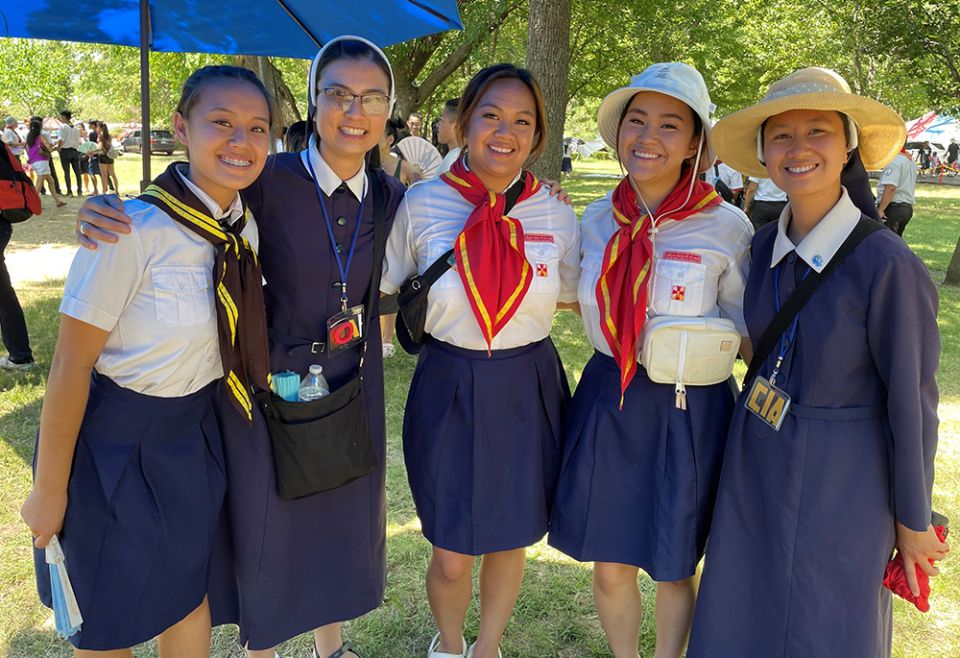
[312, 93]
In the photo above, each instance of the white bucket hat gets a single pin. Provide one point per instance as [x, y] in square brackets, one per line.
[674, 79]
[312, 80]
[881, 130]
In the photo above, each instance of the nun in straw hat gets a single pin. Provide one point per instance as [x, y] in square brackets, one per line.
[642, 459]
[813, 499]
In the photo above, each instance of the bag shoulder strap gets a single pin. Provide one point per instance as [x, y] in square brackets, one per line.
[778, 325]
[379, 240]
[444, 263]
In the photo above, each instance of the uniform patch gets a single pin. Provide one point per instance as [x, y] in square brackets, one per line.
[538, 237]
[542, 269]
[683, 256]
[679, 292]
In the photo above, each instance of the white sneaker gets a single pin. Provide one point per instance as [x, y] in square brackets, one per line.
[433, 653]
[474, 646]
[388, 350]
[7, 364]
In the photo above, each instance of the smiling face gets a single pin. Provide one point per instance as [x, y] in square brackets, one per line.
[346, 136]
[805, 152]
[227, 133]
[500, 132]
[656, 136]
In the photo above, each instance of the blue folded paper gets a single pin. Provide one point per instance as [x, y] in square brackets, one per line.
[66, 612]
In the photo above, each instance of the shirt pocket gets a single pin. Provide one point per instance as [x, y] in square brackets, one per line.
[678, 288]
[183, 295]
[544, 258]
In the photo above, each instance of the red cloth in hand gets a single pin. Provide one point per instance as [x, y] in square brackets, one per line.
[895, 578]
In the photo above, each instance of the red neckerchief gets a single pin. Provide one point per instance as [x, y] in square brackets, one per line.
[490, 255]
[626, 267]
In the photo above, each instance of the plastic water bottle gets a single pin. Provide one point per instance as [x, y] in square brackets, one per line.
[314, 385]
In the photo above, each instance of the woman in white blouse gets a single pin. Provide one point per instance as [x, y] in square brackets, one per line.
[483, 418]
[642, 459]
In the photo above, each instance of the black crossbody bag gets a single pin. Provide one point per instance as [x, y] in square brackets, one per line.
[326, 443]
[411, 300]
[802, 294]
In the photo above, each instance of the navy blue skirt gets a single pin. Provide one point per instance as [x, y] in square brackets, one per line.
[481, 442]
[145, 493]
[638, 485]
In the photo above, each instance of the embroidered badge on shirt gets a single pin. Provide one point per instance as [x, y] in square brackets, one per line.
[678, 293]
[542, 269]
[818, 261]
[538, 237]
[684, 256]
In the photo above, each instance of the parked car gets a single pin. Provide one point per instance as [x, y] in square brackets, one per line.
[161, 141]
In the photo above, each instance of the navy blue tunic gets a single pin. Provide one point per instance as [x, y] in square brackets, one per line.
[304, 563]
[146, 488]
[804, 523]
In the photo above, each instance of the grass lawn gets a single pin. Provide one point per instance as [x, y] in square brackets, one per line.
[555, 616]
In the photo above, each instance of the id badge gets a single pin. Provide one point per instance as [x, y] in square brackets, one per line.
[344, 330]
[768, 403]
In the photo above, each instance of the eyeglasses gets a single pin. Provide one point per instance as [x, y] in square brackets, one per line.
[342, 100]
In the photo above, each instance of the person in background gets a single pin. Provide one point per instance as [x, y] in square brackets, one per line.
[953, 154]
[727, 182]
[13, 325]
[414, 124]
[895, 192]
[763, 201]
[39, 156]
[92, 149]
[69, 137]
[390, 160]
[447, 133]
[296, 137]
[12, 138]
[106, 156]
[88, 145]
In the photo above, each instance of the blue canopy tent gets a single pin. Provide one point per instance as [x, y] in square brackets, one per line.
[280, 28]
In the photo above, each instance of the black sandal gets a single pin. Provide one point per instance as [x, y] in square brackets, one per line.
[344, 648]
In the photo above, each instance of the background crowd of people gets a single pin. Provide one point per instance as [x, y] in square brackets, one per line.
[86, 153]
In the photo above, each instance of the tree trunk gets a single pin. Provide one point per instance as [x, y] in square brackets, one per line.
[285, 105]
[953, 270]
[548, 58]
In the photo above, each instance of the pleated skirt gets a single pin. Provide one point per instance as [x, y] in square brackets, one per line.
[481, 442]
[145, 493]
[638, 485]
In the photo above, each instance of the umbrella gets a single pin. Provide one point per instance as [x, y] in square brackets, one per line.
[280, 28]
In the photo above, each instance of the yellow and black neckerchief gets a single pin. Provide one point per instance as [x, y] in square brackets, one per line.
[237, 280]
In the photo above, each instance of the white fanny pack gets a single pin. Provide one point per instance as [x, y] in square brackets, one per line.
[689, 351]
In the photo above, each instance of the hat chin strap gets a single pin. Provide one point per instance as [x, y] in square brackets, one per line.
[852, 143]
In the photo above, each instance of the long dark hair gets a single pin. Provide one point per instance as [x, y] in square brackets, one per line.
[104, 136]
[34, 132]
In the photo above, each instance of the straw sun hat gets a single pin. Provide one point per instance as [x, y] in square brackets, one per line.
[881, 130]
